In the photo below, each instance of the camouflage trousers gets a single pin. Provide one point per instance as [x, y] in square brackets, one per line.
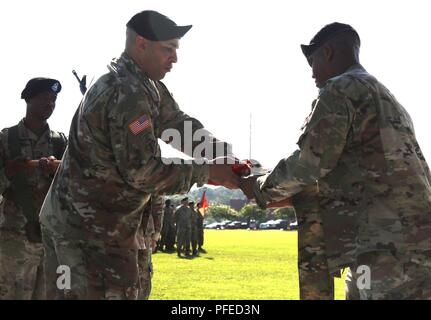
[21, 268]
[315, 281]
[393, 276]
[167, 240]
[146, 272]
[183, 239]
[200, 235]
[194, 238]
[94, 271]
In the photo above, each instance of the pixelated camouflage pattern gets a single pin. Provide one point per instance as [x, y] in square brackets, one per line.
[21, 268]
[21, 261]
[315, 280]
[394, 276]
[108, 174]
[145, 260]
[98, 272]
[152, 218]
[148, 232]
[374, 182]
[32, 148]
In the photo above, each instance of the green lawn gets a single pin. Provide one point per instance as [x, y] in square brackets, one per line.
[240, 264]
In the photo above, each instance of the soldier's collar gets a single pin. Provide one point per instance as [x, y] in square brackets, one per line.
[355, 67]
[141, 76]
[26, 133]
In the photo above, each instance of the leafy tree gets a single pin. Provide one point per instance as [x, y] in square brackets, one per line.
[252, 211]
[219, 195]
[285, 213]
[221, 212]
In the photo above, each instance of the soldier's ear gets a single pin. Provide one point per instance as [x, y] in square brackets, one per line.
[141, 42]
[328, 52]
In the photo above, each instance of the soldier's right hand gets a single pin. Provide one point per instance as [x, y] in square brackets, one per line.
[13, 167]
[221, 173]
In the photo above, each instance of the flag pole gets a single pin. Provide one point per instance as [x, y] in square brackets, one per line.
[249, 150]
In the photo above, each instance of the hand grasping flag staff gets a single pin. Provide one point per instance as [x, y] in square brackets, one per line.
[249, 168]
[256, 169]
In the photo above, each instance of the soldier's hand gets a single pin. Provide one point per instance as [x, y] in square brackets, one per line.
[221, 173]
[49, 164]
[13, 167]
[247, 185]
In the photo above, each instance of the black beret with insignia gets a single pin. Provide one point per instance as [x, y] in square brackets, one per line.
[39, 85]
[155, 26]
[326, 33]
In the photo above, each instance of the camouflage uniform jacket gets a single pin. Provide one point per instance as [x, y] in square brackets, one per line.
[168, 217]
[183, 217]
[32, 148]
[373, 180]
[113, 162]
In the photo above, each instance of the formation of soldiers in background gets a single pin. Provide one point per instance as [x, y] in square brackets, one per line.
[185, 225]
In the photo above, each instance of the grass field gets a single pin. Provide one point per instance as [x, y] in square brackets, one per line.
[240, 264]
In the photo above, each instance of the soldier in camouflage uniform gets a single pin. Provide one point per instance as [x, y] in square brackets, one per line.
[113, 165]
[24, 188]
[194, 228]
[374, 183]
[200, 227]
[168, 228]
[183, 221]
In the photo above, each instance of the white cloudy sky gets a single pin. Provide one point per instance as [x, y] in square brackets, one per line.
[239, 57]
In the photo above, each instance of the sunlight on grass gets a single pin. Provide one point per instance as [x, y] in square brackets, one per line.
[240, 264]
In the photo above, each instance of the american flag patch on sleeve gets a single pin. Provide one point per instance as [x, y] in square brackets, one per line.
[140, 124]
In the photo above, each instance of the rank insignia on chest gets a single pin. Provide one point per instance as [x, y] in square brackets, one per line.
[140, 124]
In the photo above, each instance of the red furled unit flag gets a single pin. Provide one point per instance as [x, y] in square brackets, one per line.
[203, 204]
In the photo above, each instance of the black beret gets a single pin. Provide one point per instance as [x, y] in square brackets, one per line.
[39, 85]
[155, 26]
[326, 33]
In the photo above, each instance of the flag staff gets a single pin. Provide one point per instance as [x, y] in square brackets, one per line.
[249, 151]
